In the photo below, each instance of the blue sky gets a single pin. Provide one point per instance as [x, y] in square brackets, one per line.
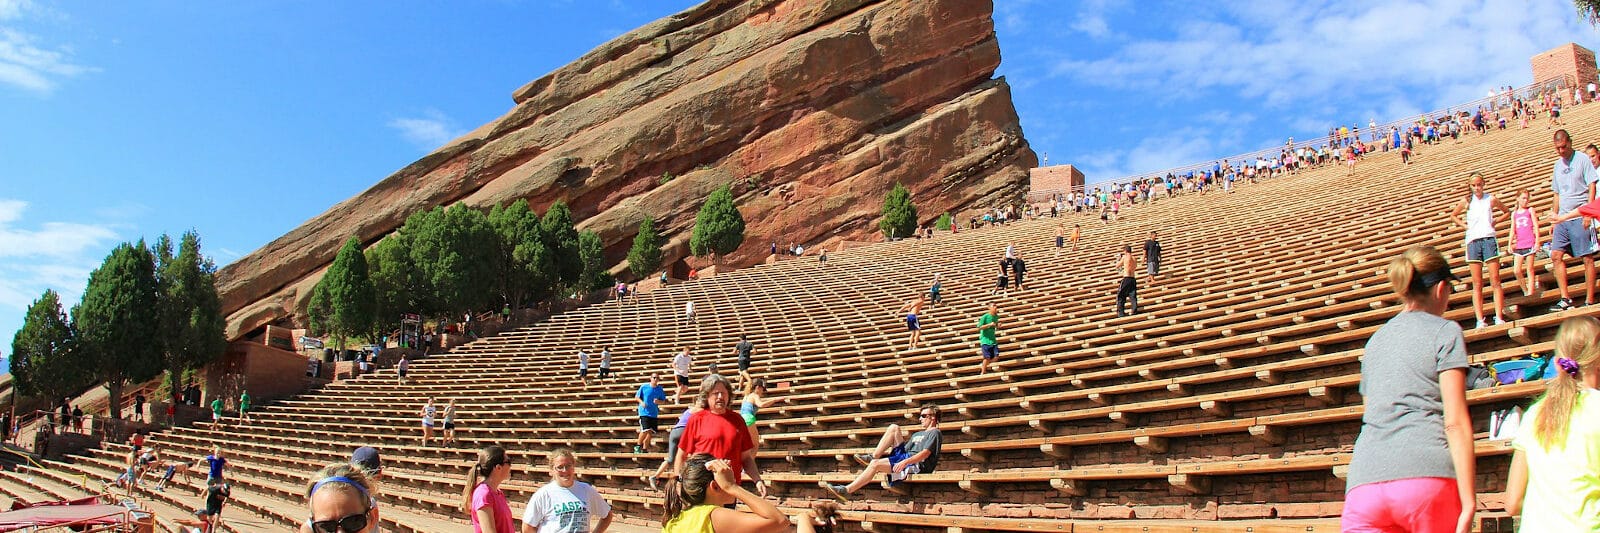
[241, 120]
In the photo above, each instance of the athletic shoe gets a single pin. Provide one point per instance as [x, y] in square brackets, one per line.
[1482, 324]
[864, 459]
[838, 491]
[652, 480]
[1498, 320]
[1562, 305]
[637, 449]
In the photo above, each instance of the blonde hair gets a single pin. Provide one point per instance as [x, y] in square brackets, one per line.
[1575, 340]
[1406, 271]
[345, 478]
[559, 453]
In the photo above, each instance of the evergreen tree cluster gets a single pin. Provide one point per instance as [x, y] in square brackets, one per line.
[145, 310]
[448, 261]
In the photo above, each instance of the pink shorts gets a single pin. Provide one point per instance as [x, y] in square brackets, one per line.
[1415, 505]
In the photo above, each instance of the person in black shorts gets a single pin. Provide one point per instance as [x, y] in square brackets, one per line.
[217, 494]
[742, 351]
[1004, 278]
[1018, 269]
[649, 396]
[1152, 257]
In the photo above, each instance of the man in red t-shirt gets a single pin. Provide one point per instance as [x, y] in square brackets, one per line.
[720, 432]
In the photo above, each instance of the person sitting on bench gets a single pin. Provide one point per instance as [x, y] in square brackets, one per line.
[899, 454]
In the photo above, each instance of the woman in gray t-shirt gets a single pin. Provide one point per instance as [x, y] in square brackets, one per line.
[1413, 464]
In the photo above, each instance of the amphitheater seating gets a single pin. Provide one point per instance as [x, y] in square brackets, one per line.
[1231, 398]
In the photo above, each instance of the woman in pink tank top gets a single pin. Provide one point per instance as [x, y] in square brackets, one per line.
[1525, 245]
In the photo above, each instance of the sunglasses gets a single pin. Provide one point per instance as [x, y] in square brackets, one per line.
[348, 524]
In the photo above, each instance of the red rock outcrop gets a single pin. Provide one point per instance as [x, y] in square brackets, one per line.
[812, 109]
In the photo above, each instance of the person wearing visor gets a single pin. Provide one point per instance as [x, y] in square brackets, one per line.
[341, 501]
[1413, 465]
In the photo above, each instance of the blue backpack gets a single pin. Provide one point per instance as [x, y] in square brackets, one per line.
[1520, 370]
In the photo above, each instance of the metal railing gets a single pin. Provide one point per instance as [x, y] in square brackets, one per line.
[1500, 100]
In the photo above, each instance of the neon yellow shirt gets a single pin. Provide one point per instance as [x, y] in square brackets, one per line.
[1563, 481]
[695, 519]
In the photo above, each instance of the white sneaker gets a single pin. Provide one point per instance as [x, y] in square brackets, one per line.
[1482, 324]
[1498, 320]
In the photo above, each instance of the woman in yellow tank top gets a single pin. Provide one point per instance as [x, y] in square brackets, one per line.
[695, 500]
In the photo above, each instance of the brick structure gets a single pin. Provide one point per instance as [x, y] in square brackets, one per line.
[1569, 62]
[1059, 178]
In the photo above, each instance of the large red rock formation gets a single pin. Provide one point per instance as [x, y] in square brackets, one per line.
[812, 109]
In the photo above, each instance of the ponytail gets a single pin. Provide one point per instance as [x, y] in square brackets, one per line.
[1415, 271]
[488, 458]
[689, 487]
[1576, 350]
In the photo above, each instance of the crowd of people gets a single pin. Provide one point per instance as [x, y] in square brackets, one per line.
[1412, 468]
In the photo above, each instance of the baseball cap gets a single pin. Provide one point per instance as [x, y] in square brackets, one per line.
[367, 458]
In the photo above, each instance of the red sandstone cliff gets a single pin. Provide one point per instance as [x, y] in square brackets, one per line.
[812, 109]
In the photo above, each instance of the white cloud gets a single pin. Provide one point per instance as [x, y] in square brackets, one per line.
[1092, 25]
[1284, 53]
[53, 240]
[52, 255]
[1180, 147]
[10, 9]
[27, 64]
[429, 131]
[1285, 69]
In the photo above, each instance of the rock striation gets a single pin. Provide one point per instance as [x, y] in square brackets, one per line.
[811, 109]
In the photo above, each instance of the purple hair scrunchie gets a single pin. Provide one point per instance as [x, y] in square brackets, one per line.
[1568, 365]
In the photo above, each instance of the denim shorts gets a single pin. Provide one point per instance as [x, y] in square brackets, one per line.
[1484, 249]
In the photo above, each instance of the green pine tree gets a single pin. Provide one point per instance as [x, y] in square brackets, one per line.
[191, 312]
[561, 241]
[396, 284]
[42, 352]
[718, 228]
[519, 248]
[943, 223]
[592, 251]
[644, 258]
[346, 298]
[116, 326]
[899, 215]
[451, 250]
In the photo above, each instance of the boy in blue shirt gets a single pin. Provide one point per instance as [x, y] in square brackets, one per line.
[649, 411]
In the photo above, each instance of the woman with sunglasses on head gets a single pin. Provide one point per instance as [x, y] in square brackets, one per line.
[1413, 465]
[340, 497]
[696, 499]
[482, 499]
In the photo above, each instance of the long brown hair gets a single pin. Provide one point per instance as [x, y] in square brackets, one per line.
[488, 458]
[689, 487]
[1575, 340]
